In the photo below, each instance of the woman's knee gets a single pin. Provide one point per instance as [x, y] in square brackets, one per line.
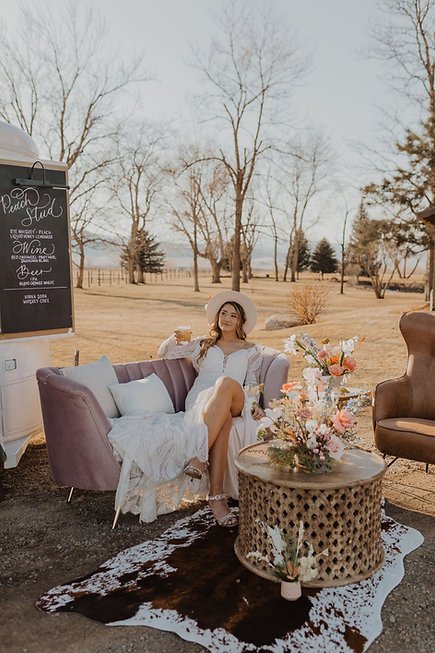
[227, 384]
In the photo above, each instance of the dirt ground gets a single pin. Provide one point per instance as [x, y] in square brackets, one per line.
[45, 541]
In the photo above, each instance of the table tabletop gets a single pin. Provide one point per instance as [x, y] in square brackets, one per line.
[356, 467]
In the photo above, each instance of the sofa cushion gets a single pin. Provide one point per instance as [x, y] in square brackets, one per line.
[148, 395]
[97, 376]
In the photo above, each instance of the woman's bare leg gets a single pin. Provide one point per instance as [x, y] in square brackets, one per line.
[226, 402]
[218, 464]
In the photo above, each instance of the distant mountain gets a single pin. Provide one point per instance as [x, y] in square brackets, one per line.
[178, 255]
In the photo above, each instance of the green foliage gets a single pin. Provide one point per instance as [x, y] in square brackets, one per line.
[145, 252]
[323, 258]
[304, 253]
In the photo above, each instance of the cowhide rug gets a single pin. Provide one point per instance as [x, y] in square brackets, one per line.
[189, 581]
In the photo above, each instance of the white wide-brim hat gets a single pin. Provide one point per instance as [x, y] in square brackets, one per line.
[217, 301]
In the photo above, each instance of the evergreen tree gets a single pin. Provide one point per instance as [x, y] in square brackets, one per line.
[149, 257]
[304, 253]
[323, 258]
[146, 254]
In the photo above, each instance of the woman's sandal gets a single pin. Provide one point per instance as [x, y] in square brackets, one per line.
[193, 471]
[227, 521]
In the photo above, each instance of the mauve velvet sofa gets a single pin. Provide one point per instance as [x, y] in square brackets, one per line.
[76, 428]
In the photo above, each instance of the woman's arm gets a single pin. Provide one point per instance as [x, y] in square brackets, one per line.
[171, 349]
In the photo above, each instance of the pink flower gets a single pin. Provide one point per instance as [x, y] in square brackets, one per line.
[322, 354]
[335, 447]
[304, 413]
[343, 420]
[349, 363]
[336, 370]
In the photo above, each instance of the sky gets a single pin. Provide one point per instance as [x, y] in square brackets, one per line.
[342, 94]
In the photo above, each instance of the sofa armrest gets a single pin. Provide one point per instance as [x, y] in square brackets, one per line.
[392, 398]
[274, 373]
[76, 429]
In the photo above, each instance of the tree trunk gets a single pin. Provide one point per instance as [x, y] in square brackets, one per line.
[81, 271]
[245, 271]
[195, 272]
[295, 257]
[235, 285]
[215, 271]
[140, 274]
[275, 258]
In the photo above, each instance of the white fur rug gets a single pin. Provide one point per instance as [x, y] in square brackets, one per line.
[189, 582]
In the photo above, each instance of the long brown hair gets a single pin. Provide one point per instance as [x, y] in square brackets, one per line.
[215, 333]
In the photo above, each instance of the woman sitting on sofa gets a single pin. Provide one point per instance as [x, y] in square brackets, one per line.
[225, 361]
[156, 448]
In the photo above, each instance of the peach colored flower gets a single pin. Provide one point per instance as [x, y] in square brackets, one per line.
[333, 360]
[292, 571]
[349, 363]
[289, 387]
[343, 420]
[335, 370]
[335, 447]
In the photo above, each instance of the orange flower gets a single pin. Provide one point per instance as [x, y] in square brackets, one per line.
[288, 387]
[349, 363]
[334, 359]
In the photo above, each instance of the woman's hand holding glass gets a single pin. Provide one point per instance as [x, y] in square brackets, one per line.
[183, 334]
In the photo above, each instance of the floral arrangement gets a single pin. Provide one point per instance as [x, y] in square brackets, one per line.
[309, 421]
[290, 561]
[332, 360]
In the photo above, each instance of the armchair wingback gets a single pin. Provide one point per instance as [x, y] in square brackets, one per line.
[76, 428]
[404, 408]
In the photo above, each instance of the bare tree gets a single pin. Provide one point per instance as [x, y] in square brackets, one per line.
[59, 81]
[138, 183]
[200, 210]
[251, 63]
[302, 173]
[406, 42]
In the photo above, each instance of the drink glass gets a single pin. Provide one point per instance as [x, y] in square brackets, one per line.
[184, 333]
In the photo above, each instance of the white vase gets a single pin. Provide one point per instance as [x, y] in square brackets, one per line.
[336, 382]
[291, 590]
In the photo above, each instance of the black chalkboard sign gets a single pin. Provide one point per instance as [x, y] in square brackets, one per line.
[35, 260]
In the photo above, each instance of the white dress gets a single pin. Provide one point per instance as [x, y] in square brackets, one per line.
[154, 448]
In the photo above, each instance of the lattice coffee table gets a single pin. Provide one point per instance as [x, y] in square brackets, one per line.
[341, 511]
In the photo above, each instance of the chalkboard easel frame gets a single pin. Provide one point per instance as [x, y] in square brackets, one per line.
[50, 178]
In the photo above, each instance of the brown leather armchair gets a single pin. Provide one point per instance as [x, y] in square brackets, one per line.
[404, 408]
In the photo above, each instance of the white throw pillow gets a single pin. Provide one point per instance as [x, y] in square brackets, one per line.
[148, 395]
[97, 377]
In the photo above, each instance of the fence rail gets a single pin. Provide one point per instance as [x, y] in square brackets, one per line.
[117, 277]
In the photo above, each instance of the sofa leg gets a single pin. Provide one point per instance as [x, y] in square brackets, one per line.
[70, 495]
[118, 512]
[427, 468]
[384, 456]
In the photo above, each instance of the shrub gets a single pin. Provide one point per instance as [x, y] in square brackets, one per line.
[307, 302]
